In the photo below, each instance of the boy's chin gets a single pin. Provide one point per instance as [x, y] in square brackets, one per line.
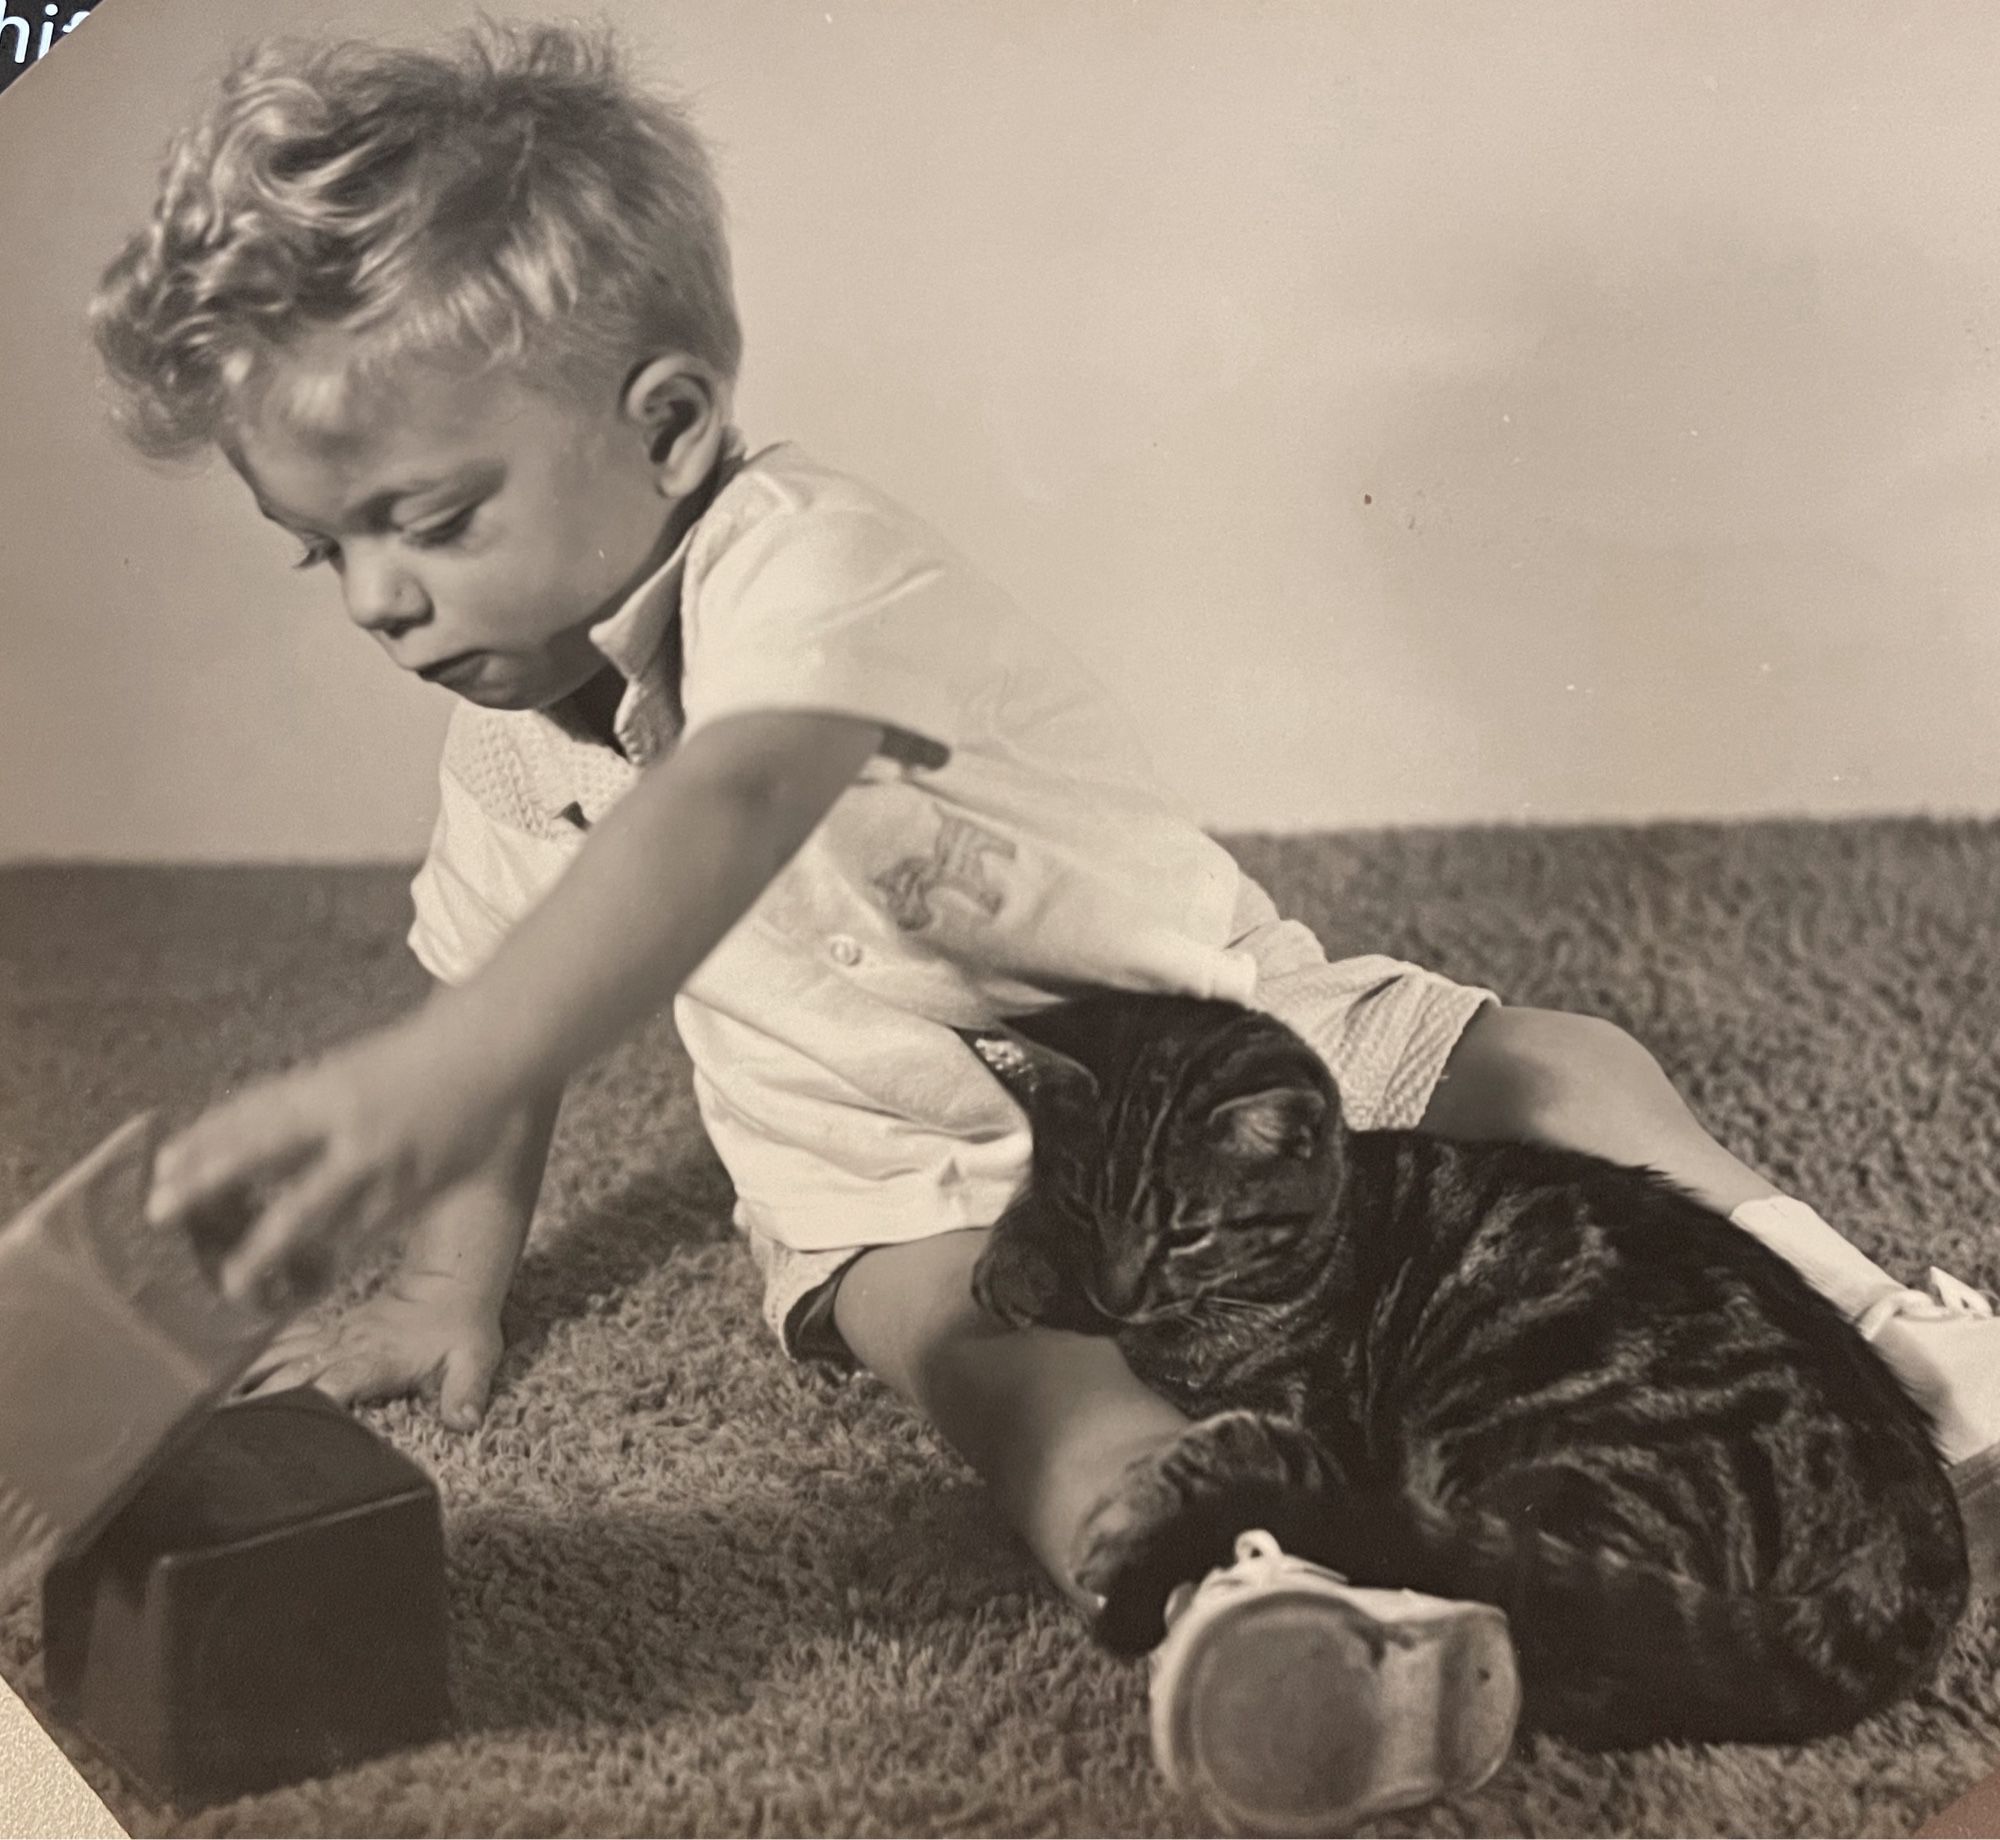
[505, 696]
[510, 682]
[509, 692]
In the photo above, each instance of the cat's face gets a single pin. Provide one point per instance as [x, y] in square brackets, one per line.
[1185, 1153]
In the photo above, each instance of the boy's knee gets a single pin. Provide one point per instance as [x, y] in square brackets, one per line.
[1517, 1072]
[1565, 1046]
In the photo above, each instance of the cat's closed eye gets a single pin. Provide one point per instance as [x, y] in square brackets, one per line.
[1242, 1234]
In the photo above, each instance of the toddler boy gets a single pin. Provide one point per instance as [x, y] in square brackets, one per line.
[738, 733]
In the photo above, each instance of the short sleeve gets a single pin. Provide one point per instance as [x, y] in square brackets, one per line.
[844, 608]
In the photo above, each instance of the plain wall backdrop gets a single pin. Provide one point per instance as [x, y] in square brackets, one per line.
[1422, 413]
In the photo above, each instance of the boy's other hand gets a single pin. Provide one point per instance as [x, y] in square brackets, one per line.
[336, 1153]
[421, 1335]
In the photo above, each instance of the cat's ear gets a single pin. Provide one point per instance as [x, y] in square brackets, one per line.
[1279, 1122]
[1031, 1072]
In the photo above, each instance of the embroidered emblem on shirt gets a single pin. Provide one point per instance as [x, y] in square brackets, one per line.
[957, 863]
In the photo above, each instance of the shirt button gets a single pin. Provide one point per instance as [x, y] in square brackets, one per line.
[844, 950]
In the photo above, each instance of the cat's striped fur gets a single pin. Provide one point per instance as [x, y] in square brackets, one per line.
[1485, 1371]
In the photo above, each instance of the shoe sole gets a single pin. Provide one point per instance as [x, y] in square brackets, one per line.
[1299, 1712]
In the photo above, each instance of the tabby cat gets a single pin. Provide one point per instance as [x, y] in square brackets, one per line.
[1494, 1372]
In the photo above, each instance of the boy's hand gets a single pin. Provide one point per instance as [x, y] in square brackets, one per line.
[336, 1153]
[422, 1334]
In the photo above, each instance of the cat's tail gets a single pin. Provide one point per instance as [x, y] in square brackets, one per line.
[1616, 1651]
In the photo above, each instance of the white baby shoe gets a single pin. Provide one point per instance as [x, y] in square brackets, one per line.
[1288, 1701]
[1943, 1344]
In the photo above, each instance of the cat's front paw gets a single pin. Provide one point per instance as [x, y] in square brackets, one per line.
[1175, 1514]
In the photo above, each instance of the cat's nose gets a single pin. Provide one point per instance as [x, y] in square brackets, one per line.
[1121, 1287]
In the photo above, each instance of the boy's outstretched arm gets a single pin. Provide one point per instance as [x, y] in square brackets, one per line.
[342, 1149]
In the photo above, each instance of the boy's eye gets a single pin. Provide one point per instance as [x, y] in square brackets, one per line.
[432, 536]
[428, 536]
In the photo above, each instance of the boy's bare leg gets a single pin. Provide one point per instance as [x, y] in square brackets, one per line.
[1584, 1084]
[1049, 1419]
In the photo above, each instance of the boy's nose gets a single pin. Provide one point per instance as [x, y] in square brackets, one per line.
[382, 598]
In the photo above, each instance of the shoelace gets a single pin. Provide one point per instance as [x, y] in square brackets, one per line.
[1257, 1548]
[1946, 1297]
[1258, 1559]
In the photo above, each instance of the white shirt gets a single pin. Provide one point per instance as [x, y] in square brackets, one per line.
[1007, 847]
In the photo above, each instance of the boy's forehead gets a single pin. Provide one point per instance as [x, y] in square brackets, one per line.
[330, 400]
[322, 431]
[314, 434]
[331, 419]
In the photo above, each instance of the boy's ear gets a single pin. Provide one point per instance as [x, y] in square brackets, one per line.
[1032, 1073]
[1282, 1122]
[680, 406]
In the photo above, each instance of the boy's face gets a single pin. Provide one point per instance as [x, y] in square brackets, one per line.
[479, 528]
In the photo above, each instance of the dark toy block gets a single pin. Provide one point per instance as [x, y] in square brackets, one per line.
[269, 1606]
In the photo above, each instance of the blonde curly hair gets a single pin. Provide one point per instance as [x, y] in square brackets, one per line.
[517, 199]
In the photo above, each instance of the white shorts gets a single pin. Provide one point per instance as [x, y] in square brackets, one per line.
[1384, 1027]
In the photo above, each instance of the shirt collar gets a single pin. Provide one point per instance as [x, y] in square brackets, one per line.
[632, 637]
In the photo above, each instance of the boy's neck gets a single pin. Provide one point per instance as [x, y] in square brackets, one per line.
[594, 707]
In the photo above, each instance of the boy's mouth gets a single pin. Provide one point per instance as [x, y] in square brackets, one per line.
[449, 670]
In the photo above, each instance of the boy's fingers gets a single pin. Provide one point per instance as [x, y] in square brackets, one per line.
[362, 1378]
[283, 1379]
[306, 1336]
[239, 1143]
[468, 1384]
[281, 1354]
[303, 1344]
